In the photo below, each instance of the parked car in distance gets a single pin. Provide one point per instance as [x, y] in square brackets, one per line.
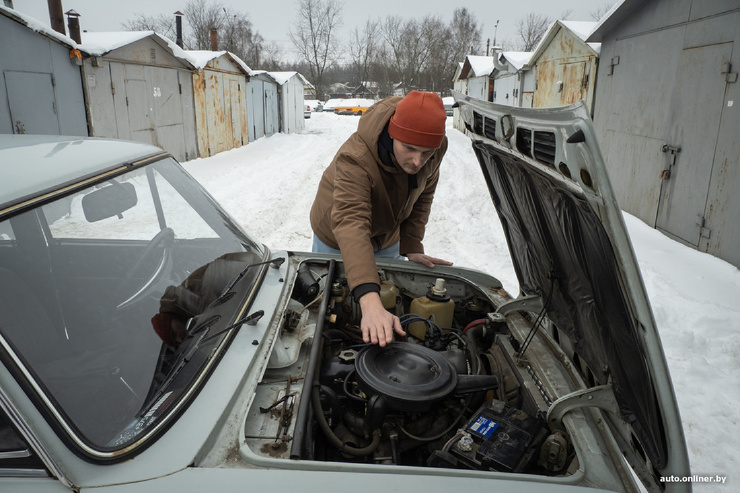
[448, 101]
[330, 104]
[356, 106]
[306, 110]
[149, 343]
[314, 104]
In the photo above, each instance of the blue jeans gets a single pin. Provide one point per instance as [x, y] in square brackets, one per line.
[392, 252]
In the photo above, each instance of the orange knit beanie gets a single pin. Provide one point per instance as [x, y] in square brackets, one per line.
[419, 120]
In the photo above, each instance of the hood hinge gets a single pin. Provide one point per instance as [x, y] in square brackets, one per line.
[531, 303]
[603, 398]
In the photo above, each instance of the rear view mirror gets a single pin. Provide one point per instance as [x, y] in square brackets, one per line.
[111, 200]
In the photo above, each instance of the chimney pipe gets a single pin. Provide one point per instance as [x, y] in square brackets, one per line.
[214, 39]
[73, 23]
[56, 18]
[178, 28]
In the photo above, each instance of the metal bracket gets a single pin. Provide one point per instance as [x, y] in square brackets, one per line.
[601, 397]
[532, 303]
[614, 61]
[674, 150]
[703, 230]
[730, 76]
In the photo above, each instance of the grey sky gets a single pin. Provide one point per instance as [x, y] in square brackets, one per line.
[273, 19]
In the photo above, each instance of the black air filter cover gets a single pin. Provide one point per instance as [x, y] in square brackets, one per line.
[410, 376]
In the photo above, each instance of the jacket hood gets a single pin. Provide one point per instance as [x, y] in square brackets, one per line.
[571, 251]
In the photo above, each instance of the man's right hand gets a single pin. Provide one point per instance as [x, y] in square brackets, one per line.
[378, 324]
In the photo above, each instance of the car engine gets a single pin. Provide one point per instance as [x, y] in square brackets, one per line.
[453, 394]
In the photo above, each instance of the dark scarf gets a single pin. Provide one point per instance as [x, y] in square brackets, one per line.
[385, 151]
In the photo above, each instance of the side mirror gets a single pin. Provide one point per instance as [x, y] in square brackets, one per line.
[111, 200]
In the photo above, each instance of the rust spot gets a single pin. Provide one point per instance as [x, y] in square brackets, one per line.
[274, 449]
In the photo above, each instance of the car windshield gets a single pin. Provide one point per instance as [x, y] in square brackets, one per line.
[99, 288]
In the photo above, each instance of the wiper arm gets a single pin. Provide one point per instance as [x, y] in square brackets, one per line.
[177, 366]
[249, 320]
[275, 263]
[187, 353]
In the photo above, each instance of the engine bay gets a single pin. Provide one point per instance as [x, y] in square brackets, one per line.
[456, 393]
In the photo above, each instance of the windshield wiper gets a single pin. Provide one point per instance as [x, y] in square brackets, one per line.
[187, 353]
[182, 359]
[275, 263]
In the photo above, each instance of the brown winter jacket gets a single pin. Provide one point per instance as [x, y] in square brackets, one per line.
[363, 205]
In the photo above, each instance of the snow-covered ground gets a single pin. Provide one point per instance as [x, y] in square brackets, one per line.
[269, 186]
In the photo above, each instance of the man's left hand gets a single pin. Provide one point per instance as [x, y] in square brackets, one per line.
[426, 259]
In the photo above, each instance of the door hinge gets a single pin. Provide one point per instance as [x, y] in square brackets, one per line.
[614, 61]
[113, 88]
[703, 230]
[730, 76]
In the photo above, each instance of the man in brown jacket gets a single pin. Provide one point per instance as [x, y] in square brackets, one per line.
[374, 198]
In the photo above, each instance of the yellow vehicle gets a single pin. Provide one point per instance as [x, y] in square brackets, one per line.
[353, 106]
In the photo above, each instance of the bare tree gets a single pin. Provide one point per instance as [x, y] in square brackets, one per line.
[600, 11]
[410, 44]
[236, 33]
[315, 37]
[160, 24]
[440, 66]
[530, 30]
[363, 49]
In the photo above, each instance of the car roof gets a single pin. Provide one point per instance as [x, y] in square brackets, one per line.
[31, 165]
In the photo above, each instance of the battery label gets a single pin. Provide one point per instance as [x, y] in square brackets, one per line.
[484, 426]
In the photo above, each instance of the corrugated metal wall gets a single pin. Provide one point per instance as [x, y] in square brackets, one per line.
[133, 99]
[291, 106]
[262, 107]
[668, 117]
[40, 87]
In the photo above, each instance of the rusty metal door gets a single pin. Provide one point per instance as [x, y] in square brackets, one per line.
[215, 112]
[33, 106]
[238, 116]
[573, 75]
[689, 155]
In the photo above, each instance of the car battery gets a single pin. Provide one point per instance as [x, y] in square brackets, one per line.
[499, 438]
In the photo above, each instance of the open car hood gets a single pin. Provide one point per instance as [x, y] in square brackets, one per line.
[571, 252]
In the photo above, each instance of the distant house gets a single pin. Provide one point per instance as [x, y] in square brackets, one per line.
[565, 65]
[309, 91]
[667, 115]
[41, 87]
[220, 93]
[339, 90]
[513, 81]
[290, 89]
[459, 84]
[478, 73]
[263, 105]
[140, 87]
[367, 90]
